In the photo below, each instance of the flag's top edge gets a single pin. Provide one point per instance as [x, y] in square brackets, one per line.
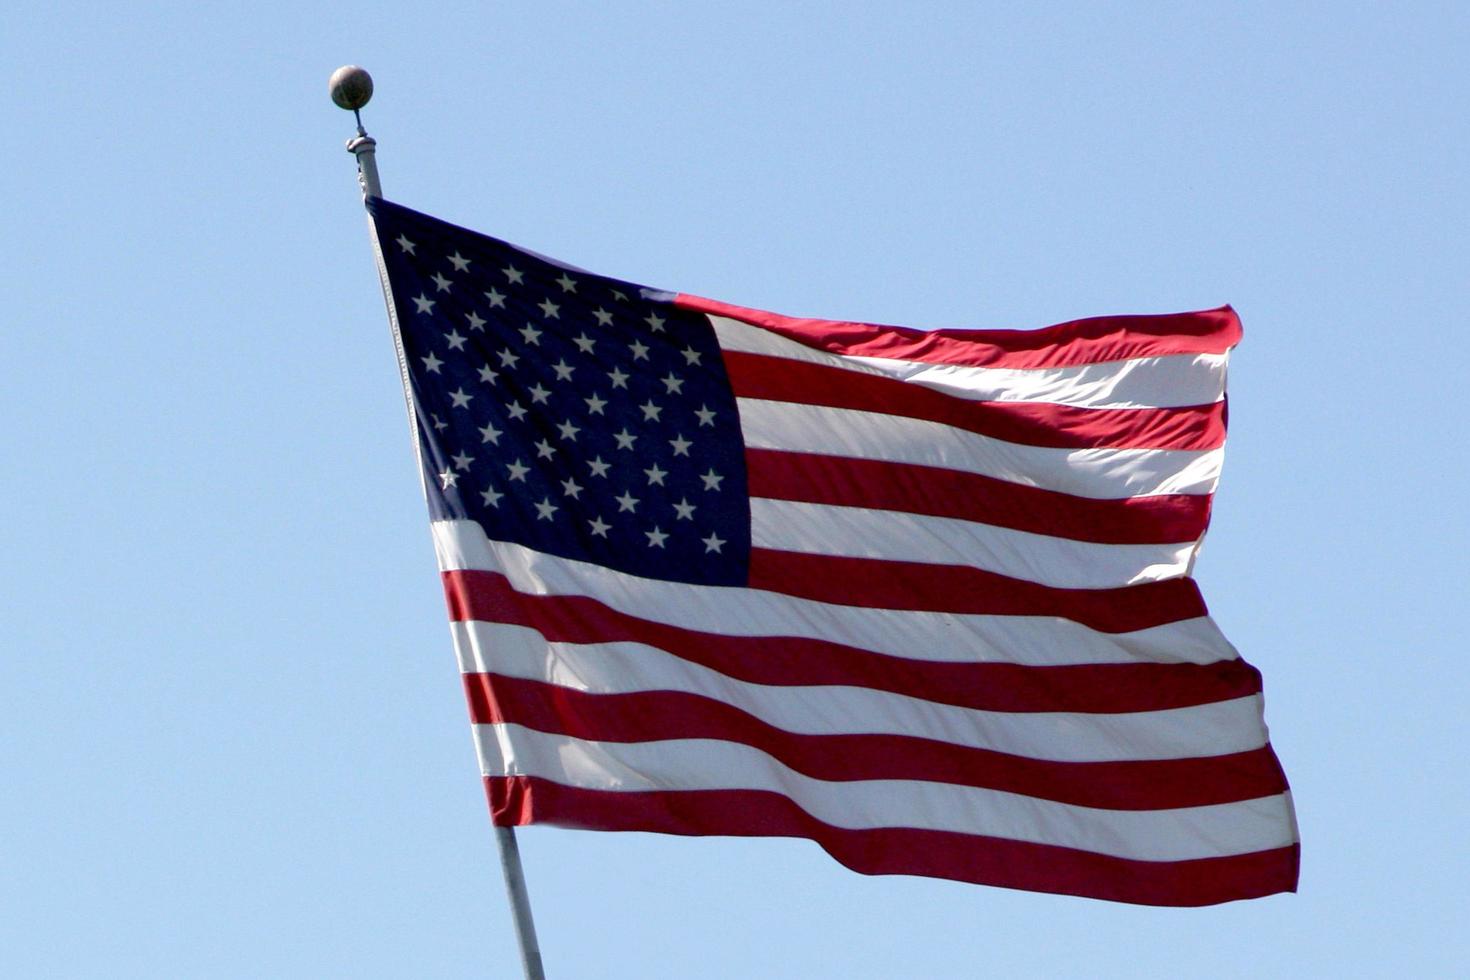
[1087, 341]
[377, 206]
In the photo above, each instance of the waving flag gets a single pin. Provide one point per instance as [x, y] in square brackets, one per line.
[922, 597]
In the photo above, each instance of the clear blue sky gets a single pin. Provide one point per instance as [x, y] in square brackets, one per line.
[232, 739]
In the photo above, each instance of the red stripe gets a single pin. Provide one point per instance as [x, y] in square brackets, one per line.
[877, 583]
[914, 489]
[520, 800]
[1090, 341]
[1199, 427]
[782, 660]
[651, 716]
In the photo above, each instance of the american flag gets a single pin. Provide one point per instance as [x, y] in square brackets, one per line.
[922, 597]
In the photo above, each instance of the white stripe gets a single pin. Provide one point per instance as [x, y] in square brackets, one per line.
[732, 611]
[1103, 474]
[1171, 381]
[706, 764]
[1056, 736]
[858, 532]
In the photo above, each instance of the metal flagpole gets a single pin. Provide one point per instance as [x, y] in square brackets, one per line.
[351, 88]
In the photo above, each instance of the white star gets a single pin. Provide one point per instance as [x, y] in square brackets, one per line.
[516, 411]
[512, 274]
[584, 343]
[440, 283]
[518, 470]
[656, 538]
[405, 244]
[712, 543]
[507, 359]
[538, 393]
[456, 340]
[496, 298]
[490, 434]
[476, 321]
[567, 283]
[548, 309]
[656, 475]
[487, 374]
[462, 462]
[448, 478]
[691, 356]
[655, 322]
[570, 488]
[620, 297]
[532, 335]
[568, 430]
[625, 438]
[598, 467]
[627, 502]
[711, 480]
[563, 370]
[595, 405]
[604, 318]
[424, 304]
[432, 363]
[545, 509]
[460, 398]
[619, 379]
[599, 527]
[639, 349]
[491, 496]
[681, 445]
[439, 424]
[459, 262]
[684, 510]
[650, 411]
[544, 449]
[673, 384]
[706, 417]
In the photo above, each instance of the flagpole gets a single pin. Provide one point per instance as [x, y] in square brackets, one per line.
[351, 87]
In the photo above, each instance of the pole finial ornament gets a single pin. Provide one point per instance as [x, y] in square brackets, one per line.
[351, 88]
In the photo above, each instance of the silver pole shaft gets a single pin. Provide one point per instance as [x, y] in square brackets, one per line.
[520, 902]
[364, 148]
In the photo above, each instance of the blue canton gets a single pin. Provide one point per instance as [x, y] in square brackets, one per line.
[567, 412]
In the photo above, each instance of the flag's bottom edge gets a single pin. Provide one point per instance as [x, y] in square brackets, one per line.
[520, 800]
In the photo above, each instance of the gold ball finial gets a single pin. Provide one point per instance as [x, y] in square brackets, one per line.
[351, 87]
